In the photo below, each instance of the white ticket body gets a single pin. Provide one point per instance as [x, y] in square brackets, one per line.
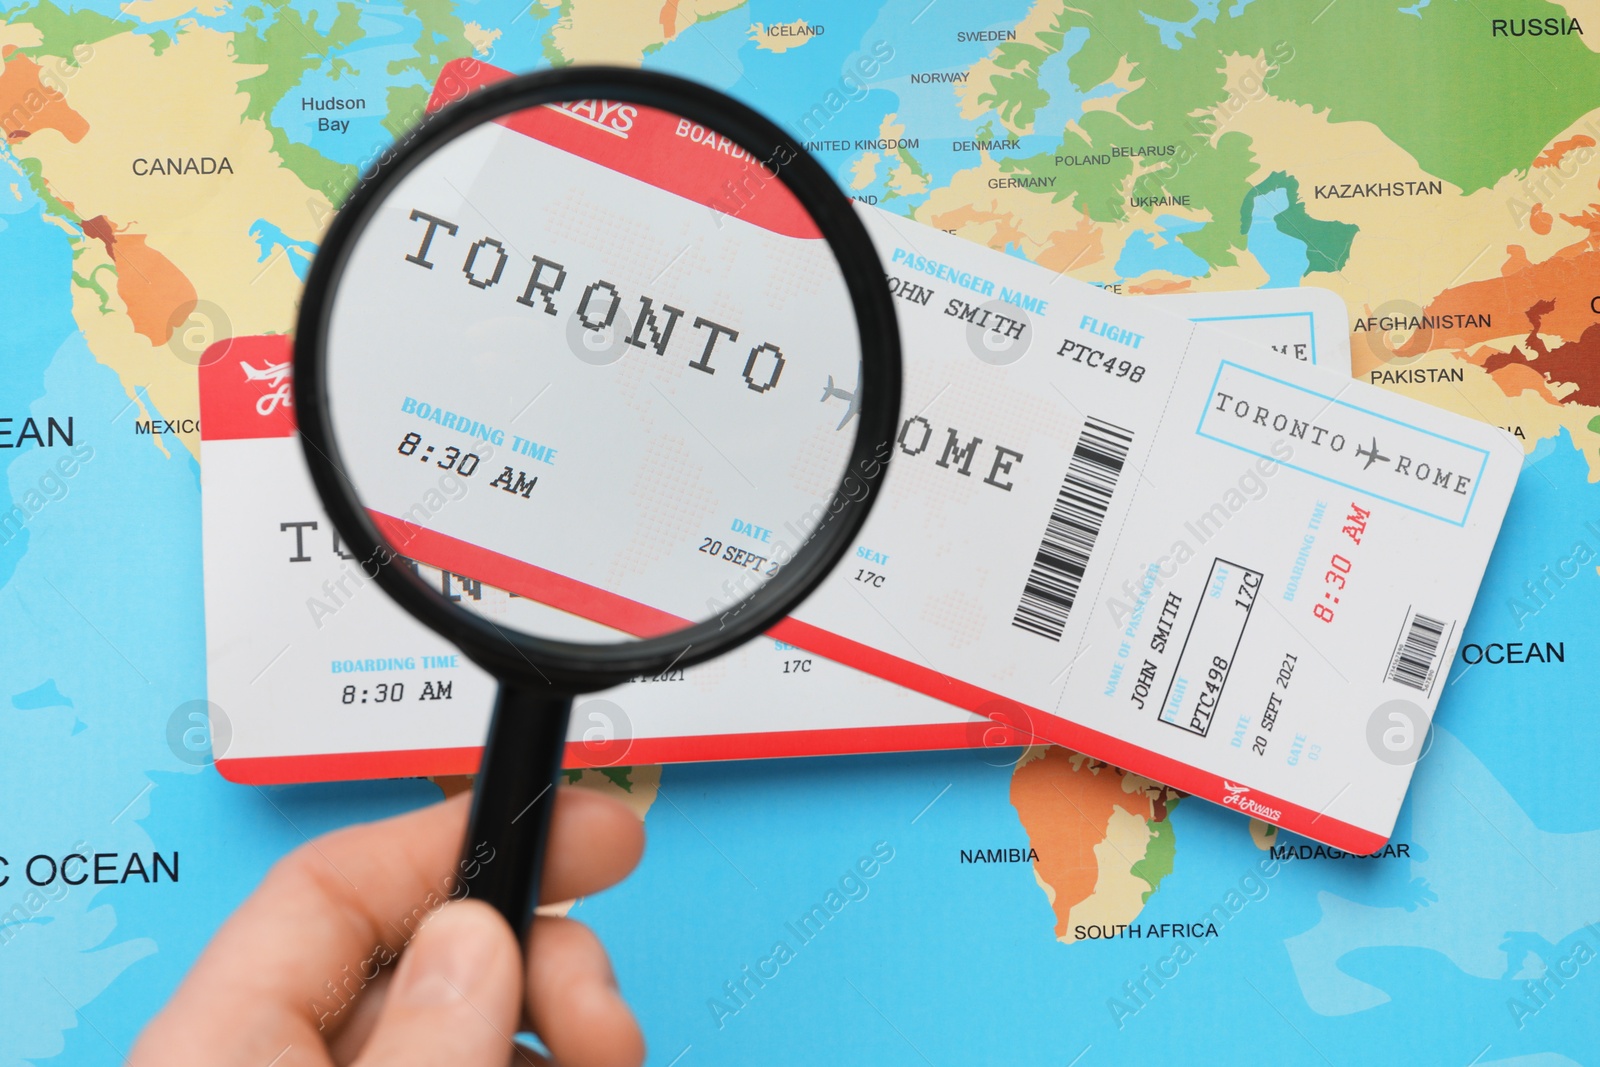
[1206, 571]
[319, 676]
[1104, 525]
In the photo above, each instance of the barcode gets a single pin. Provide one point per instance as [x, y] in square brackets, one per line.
[1080, 511]
[1413, 661]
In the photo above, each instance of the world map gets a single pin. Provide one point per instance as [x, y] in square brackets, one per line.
[170, 167]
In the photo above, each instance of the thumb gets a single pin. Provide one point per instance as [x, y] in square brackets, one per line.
[456, 994]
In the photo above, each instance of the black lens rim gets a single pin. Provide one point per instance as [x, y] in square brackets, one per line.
[570, 666]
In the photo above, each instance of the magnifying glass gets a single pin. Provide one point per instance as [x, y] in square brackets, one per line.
[561, 372]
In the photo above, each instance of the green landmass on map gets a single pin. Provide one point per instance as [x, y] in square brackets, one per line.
[1403, 73]
[287, 49]
[1327, 243]
[1158, 858]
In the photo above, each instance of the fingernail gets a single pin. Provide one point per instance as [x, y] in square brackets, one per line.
[447, 960]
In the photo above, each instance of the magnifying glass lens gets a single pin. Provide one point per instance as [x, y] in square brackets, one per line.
[596, 374]
[592, 368]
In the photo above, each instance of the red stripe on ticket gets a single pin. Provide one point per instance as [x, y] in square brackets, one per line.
[654, 146]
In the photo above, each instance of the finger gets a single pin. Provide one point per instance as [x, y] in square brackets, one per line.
[288, 968]
[573, 1000]
[347, 1040]
[456, 995]
[595, 840]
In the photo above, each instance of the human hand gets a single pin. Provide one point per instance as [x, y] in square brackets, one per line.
[303, 974]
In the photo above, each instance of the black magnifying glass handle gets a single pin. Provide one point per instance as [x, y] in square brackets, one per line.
[503, 854]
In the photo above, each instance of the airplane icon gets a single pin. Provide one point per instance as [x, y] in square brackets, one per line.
[830, 390]
[272, 372]
[1235, 790]
[1372, 454]
[275, 375]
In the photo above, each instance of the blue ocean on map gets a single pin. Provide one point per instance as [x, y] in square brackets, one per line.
[1284, 258]
[1145, 252]
[105, 642]
[271, 241]
[339, 108]
[1446, 954]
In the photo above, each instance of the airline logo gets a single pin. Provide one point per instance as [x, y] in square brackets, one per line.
[276, 378]
[608, 116]
[247, 389]
[1238, 797]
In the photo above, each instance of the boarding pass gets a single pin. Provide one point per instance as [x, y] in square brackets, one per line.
[1206, 571]
[993, 603]
[315, 675]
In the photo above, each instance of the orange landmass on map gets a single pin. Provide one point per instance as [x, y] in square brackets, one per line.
[100, 229]
[1065, 803]
[27, 106]
[1576, 362]
[158, 295]
[1551, 156]
[1514, 379]
[1539, 220]
[1068, 249]
[1159, 286]
[1073, 249]
[1566, 281]
[669, 19]
[1589, 220]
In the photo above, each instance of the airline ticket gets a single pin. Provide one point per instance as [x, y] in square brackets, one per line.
[316, 675]
[1104, 525]
[1207, 571]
